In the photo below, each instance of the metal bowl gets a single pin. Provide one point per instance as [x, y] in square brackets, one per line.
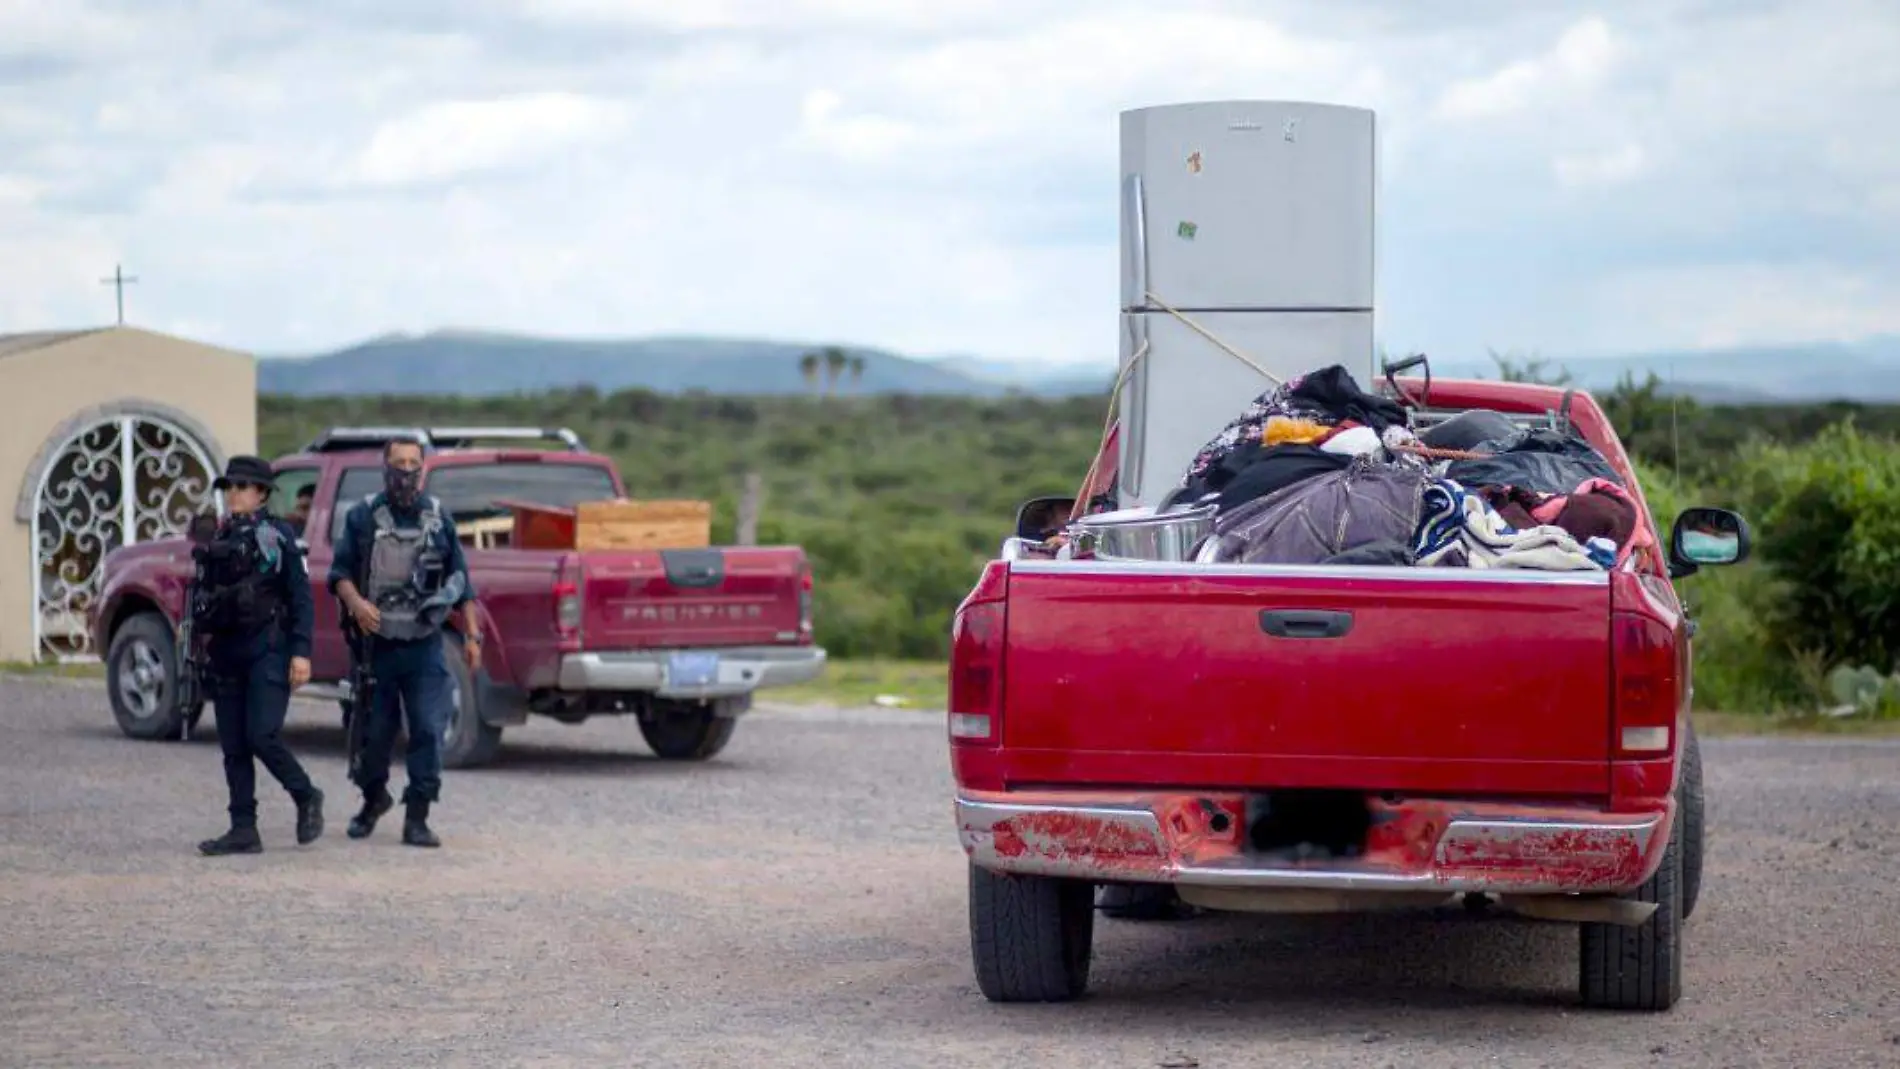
[1142, 534]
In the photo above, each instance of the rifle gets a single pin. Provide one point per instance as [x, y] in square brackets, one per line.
[192, 670]
[362, 691]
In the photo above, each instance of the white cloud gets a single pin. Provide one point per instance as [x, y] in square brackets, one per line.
[1614, 167]
[459, 138]
[296, 174]
[794, 15]
[1754, 303]
[1580, 59]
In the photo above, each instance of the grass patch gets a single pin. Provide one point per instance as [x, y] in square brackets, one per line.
[1720, 725]
[851, 683]
[53, 669]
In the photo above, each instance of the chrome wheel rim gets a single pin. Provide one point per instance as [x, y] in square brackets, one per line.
[142, 679]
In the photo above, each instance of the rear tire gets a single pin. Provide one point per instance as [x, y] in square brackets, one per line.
[142, 680]
[1031, 937]
[1639, 968]
[1689, 800]
[683, 731]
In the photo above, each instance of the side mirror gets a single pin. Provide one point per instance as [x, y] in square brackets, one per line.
[1704, 537]
[1040, 517]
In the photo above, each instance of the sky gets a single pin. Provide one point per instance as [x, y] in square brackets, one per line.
[930, 176]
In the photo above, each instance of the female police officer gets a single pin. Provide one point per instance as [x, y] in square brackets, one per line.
[255, 609]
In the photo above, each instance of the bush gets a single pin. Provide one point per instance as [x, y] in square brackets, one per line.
[1830, 526]
[1741, 662]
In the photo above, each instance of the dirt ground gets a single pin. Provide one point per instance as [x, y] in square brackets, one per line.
[800, 901]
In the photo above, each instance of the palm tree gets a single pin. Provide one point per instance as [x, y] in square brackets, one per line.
[857, 372]
[835, 363]
[808, 366]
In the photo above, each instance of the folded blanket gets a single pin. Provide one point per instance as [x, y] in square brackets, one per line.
[1458, 529]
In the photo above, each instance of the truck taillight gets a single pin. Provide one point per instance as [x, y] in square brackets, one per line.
[976, 660]
[567, 604]
[1646, 693]
[805, 603]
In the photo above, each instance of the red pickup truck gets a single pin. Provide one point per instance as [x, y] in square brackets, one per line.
[1334, 738]
[678, 638]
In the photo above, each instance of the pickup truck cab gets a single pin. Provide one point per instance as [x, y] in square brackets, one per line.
[1292, 738]
[680, 639]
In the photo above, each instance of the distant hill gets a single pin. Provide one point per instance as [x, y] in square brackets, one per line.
[475, 363]
[479, 363]
[1868, 370]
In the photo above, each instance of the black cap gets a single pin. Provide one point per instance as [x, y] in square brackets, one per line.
[246, 469]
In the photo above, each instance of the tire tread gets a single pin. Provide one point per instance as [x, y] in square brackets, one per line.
[1639, 968]
[1030, 936]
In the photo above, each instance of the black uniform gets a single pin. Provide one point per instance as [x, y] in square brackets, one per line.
[255, 610]
[401, 551]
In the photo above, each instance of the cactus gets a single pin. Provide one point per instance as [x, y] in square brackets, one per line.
[1863, 690]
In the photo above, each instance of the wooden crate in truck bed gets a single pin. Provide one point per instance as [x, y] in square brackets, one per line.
[626, 524]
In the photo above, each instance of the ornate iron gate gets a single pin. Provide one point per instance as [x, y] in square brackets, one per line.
[128, 479]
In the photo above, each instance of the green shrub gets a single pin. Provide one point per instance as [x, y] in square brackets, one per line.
[1742, 662]
[1830, 528]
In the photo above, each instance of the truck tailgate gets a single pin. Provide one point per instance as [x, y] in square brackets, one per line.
[692, 598]
[1396, 679]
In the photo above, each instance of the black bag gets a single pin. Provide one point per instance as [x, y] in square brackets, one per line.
[1546, 462]
[1468, 430]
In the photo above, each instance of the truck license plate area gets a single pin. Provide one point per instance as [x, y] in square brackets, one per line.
[692, 670]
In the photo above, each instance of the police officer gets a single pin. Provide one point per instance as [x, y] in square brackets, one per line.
[253, 606]
[399, 573]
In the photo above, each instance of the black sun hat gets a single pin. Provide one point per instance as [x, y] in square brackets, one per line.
[246, 469]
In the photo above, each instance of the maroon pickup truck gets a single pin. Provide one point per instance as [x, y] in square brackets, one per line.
[681, 639]
[1335, 737]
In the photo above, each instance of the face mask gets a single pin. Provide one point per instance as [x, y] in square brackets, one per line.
[403, 487]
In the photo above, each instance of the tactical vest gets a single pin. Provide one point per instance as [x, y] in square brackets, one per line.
[238, 587]
[407, 581]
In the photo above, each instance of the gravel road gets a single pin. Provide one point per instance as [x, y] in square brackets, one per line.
[800, 901]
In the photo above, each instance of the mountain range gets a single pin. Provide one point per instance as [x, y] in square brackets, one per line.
[477, 363]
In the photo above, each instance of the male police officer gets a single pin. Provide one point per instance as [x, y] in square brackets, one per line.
[398, 571]
[253, 606]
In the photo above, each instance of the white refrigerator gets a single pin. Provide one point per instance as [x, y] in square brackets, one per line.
[1254, 220]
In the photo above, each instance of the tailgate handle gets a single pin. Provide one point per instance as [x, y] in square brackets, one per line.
[694, 568]
[1305, 623]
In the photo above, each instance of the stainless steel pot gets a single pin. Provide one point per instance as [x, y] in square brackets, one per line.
[1141, 534]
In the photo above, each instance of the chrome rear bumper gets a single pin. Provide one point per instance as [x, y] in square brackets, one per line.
[741, 670]
[1429, 846]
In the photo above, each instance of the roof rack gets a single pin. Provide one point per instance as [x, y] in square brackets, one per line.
[349, 439]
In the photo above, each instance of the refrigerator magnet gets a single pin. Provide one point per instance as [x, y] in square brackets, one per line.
[1194, 163]
[1186, 230]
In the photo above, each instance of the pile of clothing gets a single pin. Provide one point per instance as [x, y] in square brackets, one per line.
[1318, 471]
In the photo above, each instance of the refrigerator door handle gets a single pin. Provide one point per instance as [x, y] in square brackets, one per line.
[1133, 413]
[1135, 225]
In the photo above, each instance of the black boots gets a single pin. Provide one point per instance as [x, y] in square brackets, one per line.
[373, 809]
[247, 841]
[310, 817]
[415, 826]
[235, 841]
